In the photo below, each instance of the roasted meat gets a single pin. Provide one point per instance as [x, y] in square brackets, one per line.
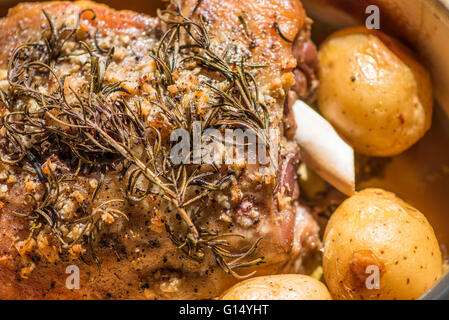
[90, 98]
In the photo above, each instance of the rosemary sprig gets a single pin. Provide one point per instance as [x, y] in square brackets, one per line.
[56, 39]
[245, 26]
[281, 34]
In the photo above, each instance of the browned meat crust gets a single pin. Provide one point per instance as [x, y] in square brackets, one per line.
[306, 80]
[138, 259]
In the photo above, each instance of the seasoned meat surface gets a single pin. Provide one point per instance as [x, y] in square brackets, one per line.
[90, 97]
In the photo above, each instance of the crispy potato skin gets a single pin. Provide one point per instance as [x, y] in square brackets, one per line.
[375, 228]
[374, 91]
[278, 287]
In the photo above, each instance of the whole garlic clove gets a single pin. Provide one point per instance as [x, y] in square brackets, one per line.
[323, 150]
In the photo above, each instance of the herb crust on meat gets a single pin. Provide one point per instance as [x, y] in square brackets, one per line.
[90, 97]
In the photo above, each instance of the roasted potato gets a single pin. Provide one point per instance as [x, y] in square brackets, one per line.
[376, 246]
[374, 91]
[278, 287]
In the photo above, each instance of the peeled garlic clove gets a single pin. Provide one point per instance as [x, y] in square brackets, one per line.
[323, 150]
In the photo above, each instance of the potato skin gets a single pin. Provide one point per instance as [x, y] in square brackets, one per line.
[374, 91]
[278, 287]
[375, 228]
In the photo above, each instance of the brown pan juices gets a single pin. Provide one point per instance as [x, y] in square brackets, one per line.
[421, 176]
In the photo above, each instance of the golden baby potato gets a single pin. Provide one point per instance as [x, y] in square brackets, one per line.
[374, 91]
[278, 287]
[375, 235]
